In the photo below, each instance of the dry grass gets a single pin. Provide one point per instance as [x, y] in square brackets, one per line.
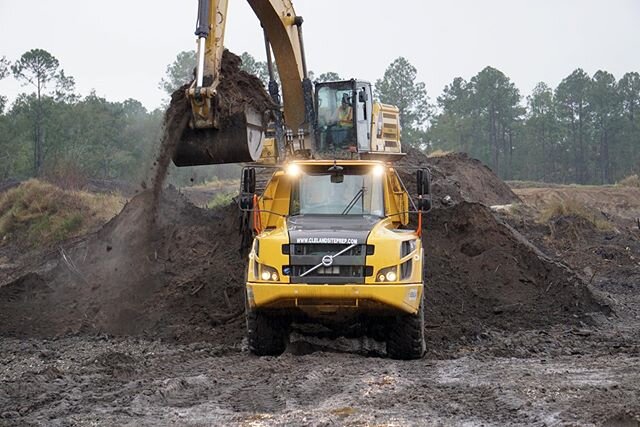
[218, 184]
[532, 184]
[37, 213]
[630, 181]
[439, 153]
[221, 199]
[518, 210]
[573, 208]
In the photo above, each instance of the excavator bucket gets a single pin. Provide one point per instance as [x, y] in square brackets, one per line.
[239, 140]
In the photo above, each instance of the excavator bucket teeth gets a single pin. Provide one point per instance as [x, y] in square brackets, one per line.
[239, 140]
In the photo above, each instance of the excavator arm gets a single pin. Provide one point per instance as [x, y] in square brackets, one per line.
[215, 142]
[210, 46]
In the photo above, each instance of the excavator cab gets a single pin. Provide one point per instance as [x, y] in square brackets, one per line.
[348, 120]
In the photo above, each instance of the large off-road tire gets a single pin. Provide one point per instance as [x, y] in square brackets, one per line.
[268, 335]
[405, 339]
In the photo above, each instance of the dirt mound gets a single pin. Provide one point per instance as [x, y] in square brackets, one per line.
[593, 229]
[482, 274]
[458, 176]
[177, 282]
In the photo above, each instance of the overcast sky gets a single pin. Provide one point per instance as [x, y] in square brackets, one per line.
[121, 48]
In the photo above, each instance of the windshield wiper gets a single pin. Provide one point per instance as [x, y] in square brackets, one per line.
[353, 201]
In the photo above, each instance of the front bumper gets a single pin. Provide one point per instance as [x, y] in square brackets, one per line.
[398, 297]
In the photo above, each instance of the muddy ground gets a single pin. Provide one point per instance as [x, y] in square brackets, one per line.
[126, 381]
[527, 323]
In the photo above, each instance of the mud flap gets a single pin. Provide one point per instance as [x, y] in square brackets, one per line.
[240, 140]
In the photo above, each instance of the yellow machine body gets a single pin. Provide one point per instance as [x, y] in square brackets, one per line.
[392, 246]
[385, 132]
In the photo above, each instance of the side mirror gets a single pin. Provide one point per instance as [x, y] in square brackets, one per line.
[248, 180]
[423, 185]
[423, 182]
[362, 96]
[247, 188]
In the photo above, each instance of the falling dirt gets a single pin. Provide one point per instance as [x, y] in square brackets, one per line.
[176, 120]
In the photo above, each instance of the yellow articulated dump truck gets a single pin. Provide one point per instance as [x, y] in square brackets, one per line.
[332, 247]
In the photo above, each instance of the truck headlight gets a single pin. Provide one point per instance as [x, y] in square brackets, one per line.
[388, 274]
[269, 273]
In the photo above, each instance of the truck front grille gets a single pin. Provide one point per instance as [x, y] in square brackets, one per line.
[322, 249]
[333, 271]
[348, 267]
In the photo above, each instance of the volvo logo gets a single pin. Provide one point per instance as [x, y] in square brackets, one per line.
[327, 260]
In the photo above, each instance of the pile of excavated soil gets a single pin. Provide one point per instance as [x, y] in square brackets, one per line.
[175, 278]
[605, 253]
[482, 274]
[180, 276]
[458, 176]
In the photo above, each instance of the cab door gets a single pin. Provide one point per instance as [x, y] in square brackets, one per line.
[363, 105]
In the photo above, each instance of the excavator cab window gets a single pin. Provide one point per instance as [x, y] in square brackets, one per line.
[335, 116]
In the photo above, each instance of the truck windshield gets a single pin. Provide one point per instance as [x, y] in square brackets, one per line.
[360, 193]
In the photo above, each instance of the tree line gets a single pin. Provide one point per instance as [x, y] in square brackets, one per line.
[586, 130]
[51, 130]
